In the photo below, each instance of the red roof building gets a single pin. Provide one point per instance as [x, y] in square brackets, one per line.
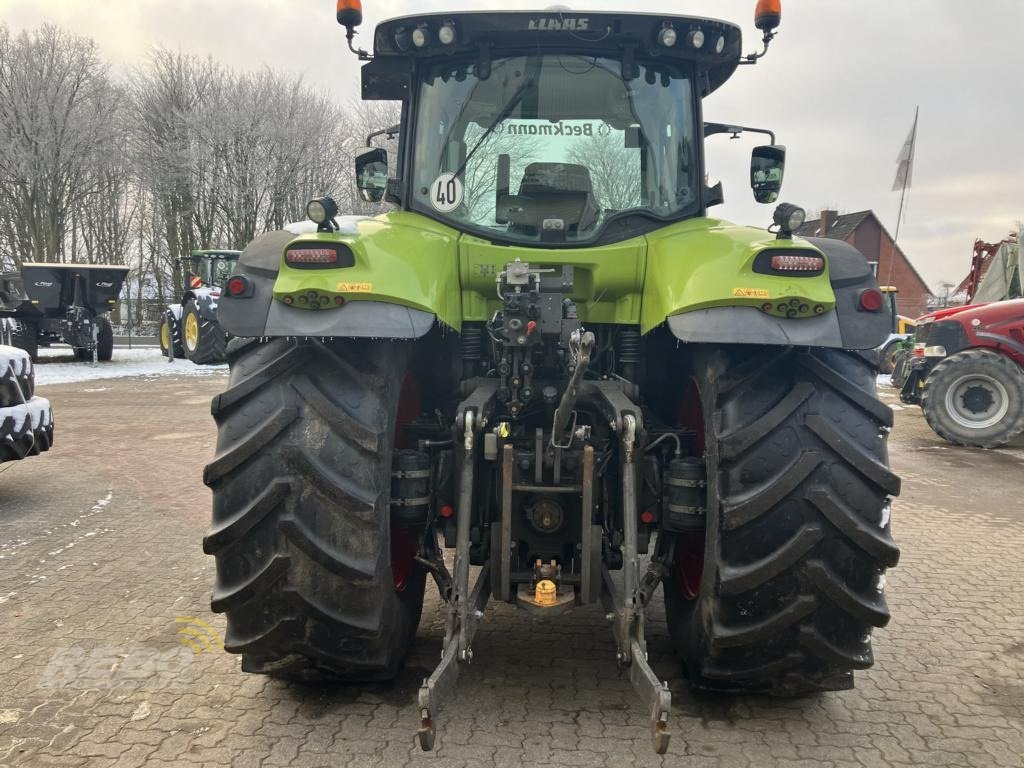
[865, 232]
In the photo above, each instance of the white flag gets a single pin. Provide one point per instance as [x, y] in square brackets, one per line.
[905, 169]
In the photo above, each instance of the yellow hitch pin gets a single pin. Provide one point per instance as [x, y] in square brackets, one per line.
[546, 593]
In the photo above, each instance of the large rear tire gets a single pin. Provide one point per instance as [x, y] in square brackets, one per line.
[887, 357]
[203, 340]
[797, 538]
[975, 398]
[17, 376]
[170, 333]
[104, 340]
[25, 335]
[301, 524]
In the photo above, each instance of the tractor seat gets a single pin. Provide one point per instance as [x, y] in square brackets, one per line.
[558, 191]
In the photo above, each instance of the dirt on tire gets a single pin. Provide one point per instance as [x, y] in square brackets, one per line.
[301, 510]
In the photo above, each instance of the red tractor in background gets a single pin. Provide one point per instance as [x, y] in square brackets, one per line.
[967, 373]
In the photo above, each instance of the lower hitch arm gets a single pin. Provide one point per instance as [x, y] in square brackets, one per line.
[627, 610]
[465, 608]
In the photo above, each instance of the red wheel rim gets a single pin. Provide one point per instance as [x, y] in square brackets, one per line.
[690, 563]
[404, 546]
[690, 545]
[409, 407]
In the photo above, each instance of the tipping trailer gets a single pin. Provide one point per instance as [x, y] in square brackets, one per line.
[552, 359]
[48, 303]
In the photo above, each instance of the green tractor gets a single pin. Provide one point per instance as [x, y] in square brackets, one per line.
[190, 325]
[551, 360]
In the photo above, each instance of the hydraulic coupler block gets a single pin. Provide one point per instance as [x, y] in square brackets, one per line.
[685, 495]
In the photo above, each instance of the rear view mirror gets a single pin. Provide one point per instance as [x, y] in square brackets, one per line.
[767, 166]
[371, 173]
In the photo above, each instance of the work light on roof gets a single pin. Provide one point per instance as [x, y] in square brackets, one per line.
[789, 218]
[446, 34]
[667, 37]
[696, 39]
[322, 210]
[419, 37]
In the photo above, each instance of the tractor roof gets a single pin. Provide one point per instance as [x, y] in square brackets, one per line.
[617, 35]
[217, 254]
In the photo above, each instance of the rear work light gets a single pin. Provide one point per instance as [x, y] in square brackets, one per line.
[325, 256]
[791, 263]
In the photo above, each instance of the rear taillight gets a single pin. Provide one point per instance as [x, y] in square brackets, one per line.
[918, 350]
[792, 263]
[871, 300]
[319, 256]
[239, 286]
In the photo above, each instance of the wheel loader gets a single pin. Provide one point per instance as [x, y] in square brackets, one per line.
[551, 360]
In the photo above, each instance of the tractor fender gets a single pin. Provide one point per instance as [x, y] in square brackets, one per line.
[845, 327]
[259, 315]
[207, 300]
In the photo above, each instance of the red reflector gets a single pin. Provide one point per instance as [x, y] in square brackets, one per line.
[311, 256]
[447, 510]
[647, 517]
[871, 299]
[237, 285]
[790, 263]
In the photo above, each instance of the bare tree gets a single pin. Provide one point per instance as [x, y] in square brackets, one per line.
[614, 169]
[57, 108]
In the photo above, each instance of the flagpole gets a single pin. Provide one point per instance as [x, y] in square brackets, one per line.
[903, 195]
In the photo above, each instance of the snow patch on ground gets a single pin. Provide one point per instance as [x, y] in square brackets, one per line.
[146, 362]
[884, 380]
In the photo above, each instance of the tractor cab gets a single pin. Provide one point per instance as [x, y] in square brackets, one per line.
[209, 269]
[553, 128]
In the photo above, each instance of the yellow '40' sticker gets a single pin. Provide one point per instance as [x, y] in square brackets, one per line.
[750, 293]
[354, 288]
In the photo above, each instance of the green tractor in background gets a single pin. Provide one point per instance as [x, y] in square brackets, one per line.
[550, 359]
[190, 326]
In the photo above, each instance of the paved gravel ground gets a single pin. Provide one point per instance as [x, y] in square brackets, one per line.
[104, 609]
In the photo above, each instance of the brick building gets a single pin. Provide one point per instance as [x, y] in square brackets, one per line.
[866, 233]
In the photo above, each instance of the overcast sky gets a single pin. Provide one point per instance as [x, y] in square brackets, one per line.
[839, 85]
